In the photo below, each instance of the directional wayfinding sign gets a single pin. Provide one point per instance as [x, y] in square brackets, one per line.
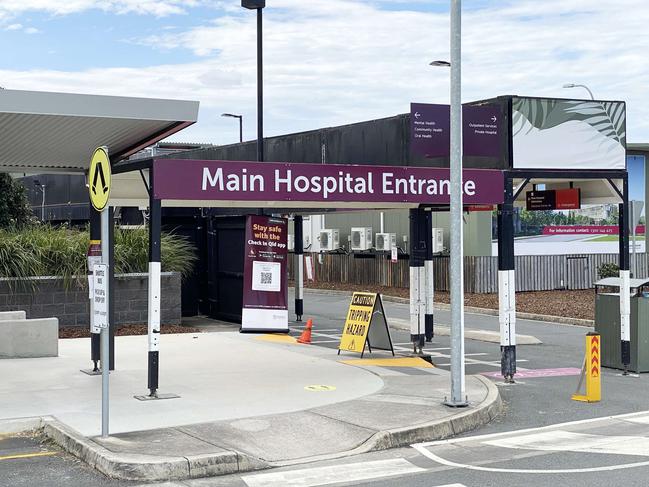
[99, 178]
[365, 324]
[100, 295]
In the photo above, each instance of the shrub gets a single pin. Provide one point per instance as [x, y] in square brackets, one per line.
[608, 269]
[60, 251]
[14, 205]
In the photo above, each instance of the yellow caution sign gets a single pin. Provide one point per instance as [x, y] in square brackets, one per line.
[99, 178]
[365, 325]
[591, 371]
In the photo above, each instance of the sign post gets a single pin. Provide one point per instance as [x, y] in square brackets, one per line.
[365, 325]
[99, 181]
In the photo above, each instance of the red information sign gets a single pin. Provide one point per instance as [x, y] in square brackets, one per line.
[568, 199]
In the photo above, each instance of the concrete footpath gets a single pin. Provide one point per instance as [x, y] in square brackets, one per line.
[247, 402]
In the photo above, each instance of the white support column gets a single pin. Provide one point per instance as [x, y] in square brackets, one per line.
[625, 307]
[507, 307]
[154, 306]
[417, 301]
[430, 296]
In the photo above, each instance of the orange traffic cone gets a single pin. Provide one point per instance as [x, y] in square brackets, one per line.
[305, 337]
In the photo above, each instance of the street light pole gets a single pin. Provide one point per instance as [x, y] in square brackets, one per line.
[458, 397]
[259, 5]
[240, 117]
[260, 88]
[572, 85]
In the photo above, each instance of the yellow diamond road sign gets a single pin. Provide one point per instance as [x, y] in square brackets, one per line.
[99, 178]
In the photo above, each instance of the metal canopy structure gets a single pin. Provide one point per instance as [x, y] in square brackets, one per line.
[43, 132]
[46, 133]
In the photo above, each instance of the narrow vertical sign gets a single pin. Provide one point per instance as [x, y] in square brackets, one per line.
[591, 371]
[100, 301]
[265, 279]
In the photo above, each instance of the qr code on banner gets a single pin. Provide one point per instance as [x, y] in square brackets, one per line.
[266, 276]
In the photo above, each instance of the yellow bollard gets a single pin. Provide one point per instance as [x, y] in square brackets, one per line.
[591, 370]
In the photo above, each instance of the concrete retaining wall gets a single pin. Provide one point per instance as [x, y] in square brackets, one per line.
[49, 298]
[12, 315]
[29, 338]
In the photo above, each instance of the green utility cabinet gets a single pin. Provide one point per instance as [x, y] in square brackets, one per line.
[607, 323]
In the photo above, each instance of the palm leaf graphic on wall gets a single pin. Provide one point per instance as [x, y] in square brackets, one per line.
[608, 118]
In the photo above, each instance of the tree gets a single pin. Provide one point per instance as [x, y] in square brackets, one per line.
[15, 210]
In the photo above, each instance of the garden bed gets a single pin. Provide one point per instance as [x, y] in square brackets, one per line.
[125, 330]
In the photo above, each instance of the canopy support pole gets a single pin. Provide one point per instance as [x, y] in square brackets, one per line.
[298, 223]
[429, 279]
[417, 279]
[95, 340]
[625, 297]
[506, 284]
[155, 222]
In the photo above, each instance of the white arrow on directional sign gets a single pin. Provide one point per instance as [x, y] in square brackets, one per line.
[417, 114]
[493, 119]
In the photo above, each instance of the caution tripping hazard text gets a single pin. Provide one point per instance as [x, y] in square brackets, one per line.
[358, 321]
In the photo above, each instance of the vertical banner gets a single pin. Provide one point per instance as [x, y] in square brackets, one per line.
[265, 280]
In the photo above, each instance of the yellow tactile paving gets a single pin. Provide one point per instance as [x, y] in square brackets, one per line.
[279, 338]
[390, 362]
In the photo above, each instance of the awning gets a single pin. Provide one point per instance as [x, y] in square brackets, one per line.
[593, 191]
[44, 132]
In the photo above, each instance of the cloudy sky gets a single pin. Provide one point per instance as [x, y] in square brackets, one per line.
[327, 62]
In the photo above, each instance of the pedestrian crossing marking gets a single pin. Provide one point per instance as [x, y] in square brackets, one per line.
[353, 472]
[390, 362]
[559, 440]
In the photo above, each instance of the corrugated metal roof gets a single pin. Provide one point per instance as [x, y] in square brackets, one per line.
[57, 132]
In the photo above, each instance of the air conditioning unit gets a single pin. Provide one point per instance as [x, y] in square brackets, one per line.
[438, 240]
[386, 241]
[290, 242]
[329, 239]
[361, 238]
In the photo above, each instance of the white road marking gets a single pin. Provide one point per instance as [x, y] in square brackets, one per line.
[560, 440]
[626, 417]
[333, 474]
[428, 454]
[537, 440]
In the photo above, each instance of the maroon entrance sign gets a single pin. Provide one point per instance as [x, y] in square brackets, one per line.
[327, 185]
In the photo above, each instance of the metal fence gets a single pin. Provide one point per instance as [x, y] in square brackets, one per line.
[533, 272]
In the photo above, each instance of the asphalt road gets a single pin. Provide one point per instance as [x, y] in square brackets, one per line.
[31, 461]
[592, 452]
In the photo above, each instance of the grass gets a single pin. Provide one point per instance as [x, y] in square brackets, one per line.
[60, 251]
[613, 238]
